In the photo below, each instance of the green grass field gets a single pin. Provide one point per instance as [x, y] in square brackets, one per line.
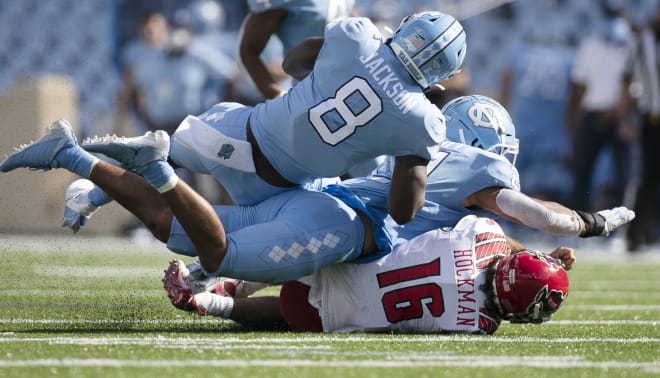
[95, 307]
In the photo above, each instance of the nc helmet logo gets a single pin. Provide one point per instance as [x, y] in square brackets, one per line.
[484, 115]
[226, 151]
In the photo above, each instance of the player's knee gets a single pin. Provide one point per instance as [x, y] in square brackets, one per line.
[160, 225]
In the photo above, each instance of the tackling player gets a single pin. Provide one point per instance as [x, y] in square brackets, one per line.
[478, 176]
[460, 280]
[359, 97]
[282, 238]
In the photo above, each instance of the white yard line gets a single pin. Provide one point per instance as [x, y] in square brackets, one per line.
[586, 294]
[603, 322]
[68, 293]
[197, 320]
[545, 362]
[625, 285]
[97, 271]
[614, 307]
[191, 320]
[188, 341]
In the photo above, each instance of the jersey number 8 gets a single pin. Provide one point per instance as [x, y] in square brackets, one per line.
[351, 116]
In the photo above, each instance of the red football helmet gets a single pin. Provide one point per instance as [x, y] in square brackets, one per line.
[529, 287]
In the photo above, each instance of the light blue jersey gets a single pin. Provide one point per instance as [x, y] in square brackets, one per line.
[358, 103]
[459, 171]
[305, 18]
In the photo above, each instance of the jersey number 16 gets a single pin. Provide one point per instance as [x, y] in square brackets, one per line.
[407, 303]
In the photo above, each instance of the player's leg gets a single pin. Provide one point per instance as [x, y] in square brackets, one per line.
[282, 238]
[58, 148]
[188, 294]
[258, 312]
[136, 195]
[213, 144]
[147, 155]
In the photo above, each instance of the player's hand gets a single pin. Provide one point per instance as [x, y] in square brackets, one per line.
[605, 221]
[74, 220]
[566, 255]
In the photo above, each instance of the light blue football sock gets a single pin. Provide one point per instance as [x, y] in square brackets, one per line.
[160, 175]
[98, 197]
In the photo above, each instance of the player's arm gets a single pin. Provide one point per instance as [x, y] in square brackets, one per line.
[407, 190]
[257, 30]
[547, 216]
[514, 245]
[299, 61]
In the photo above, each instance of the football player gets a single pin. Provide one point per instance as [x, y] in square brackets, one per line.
[459, 280]
[475, 173]
[282, 238]
[360, 97]
[291, 22]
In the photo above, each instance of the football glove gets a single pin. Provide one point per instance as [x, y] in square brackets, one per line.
[74, 220]
[605, 221]
[77, 206]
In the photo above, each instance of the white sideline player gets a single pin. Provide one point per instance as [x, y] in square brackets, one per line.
[460, 280]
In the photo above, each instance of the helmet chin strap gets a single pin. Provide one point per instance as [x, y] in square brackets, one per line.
[497, 298]
[536, 310]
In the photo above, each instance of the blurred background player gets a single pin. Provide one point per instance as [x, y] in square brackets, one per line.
[643, 231]
[599, 109]
[171, 71]
[534, 88]
[290, 21]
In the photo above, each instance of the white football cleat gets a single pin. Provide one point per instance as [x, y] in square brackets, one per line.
[134, 153]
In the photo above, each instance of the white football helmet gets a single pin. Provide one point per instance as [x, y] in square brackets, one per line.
[431, 45]
[481, 122]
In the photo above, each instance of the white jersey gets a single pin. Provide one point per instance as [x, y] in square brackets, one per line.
[427, 285]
